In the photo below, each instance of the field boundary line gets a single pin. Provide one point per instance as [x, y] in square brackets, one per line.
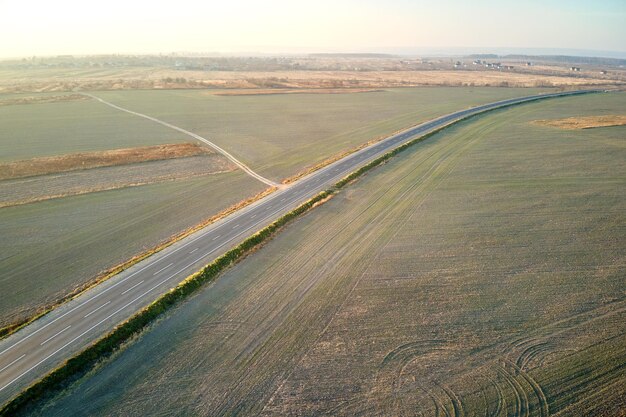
[234, 160]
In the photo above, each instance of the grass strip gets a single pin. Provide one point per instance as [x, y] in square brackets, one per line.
[79, 365]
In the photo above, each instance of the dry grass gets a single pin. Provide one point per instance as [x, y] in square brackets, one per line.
[378, 79]
[86, 160]
[42, 99]
[163, 78]
[584, 122]
[256, 92]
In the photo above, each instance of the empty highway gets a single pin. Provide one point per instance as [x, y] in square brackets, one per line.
[41, 346]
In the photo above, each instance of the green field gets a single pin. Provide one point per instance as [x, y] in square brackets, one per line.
[34, 130]
[478, 273]
[279, 135]
[45, 187]
[50, 247]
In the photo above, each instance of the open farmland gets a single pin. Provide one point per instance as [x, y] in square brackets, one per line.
[58, 128]
[280, 135]
[52, 246]
[106, 214]
[45, 187]
[477, 273]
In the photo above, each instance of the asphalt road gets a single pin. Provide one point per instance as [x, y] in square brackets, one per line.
[41, 346]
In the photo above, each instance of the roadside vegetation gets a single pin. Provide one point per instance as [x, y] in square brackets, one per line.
[479, 270]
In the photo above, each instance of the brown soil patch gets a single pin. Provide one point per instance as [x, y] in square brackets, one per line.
[46, 99]
[86, 160]
[584, 122]
[256, 92]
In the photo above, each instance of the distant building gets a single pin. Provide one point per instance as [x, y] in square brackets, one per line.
[494, 65]
[575, 69]
[604, 72]
[529, 64]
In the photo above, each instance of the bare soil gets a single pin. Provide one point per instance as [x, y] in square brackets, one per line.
[256, 92]
[584, 122]
[86, 160]
[42, 99]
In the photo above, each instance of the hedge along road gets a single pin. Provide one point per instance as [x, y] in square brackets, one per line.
[43, 345]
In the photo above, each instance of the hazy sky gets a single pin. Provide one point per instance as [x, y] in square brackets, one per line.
[47, 27]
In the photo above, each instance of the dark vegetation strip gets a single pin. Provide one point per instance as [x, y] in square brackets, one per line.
[83, 362]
